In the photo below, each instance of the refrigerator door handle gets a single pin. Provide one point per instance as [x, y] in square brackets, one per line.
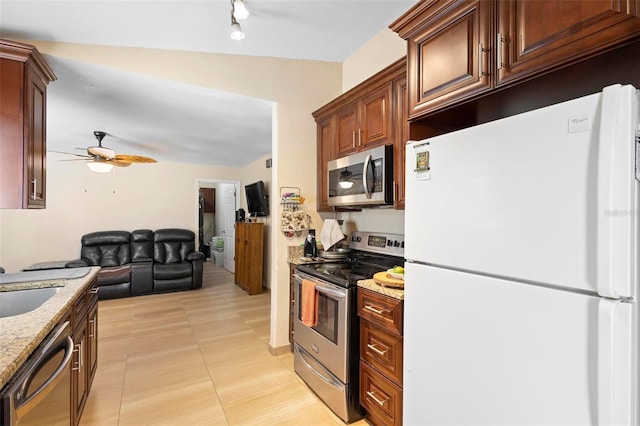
[615, 363]
[616, 201]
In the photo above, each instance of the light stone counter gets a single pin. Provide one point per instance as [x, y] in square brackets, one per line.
[396, 293]
[21, 334]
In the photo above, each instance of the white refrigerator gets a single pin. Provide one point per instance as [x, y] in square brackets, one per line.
[521, 278]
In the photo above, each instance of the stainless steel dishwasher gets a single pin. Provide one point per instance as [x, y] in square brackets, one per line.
[39, 393]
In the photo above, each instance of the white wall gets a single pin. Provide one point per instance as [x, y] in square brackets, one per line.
[379, 52]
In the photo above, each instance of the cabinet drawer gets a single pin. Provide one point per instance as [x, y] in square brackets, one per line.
[381, 310]
[381, 398]
[381, 350]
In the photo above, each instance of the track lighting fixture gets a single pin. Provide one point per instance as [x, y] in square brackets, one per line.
[236, 31]
[238, 11]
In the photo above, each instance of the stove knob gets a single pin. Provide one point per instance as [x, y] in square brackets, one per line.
[396, 243]
[358, 239]
[389, 243]
[402, 245]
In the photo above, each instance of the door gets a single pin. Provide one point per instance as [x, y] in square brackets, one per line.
[229, 213]
[328, 341]
[534, 36]
[533, 197]
[448, 57]
[487, 351]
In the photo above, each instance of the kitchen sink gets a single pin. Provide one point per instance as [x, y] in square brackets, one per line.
[22, 301]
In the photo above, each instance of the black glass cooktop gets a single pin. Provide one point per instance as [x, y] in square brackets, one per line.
[360, 266]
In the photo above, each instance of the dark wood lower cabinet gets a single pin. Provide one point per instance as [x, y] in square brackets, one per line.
[381, 398]
[84, 363]
[381, 353]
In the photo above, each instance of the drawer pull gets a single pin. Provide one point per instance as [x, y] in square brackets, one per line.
[374, 310]
[372, 395]
[376, 350]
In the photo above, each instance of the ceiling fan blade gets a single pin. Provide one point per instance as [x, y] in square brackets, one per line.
[134, 159]
[119, 163]
[70, 153]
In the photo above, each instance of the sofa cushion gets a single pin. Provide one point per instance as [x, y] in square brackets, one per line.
[106, 248]
[172, 245]
[172, 271]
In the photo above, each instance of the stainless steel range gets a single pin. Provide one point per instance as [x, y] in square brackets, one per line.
[326, 346]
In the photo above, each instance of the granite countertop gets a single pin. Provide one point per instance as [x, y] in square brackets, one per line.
[295, 256]
[21, 334]
[396, 293]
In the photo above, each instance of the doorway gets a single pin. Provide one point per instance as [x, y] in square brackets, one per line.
[217, 203]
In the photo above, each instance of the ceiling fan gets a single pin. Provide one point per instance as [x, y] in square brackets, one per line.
[102, 159]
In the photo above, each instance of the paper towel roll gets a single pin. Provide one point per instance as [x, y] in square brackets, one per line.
[331, 233]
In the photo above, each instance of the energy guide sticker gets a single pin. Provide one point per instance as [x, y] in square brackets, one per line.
[422, 169]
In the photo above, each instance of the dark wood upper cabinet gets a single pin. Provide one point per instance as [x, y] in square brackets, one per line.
[364, 123]
[362, 118]
[208, 200]
[458, 50]
[538, 36]
[24, 75]
[447, 56]
[325, 142]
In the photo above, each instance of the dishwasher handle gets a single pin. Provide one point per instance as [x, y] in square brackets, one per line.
[22, 407]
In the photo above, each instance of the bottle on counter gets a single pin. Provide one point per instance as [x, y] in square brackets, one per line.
[310, 248]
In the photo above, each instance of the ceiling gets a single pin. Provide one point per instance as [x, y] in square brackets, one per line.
[158, 118]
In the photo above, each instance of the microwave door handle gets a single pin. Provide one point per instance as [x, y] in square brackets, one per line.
[365, 167]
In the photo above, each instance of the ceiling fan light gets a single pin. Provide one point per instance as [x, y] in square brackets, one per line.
[236, 31]
[240, 11]
[99, 166]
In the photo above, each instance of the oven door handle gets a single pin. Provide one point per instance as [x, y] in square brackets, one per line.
[331, 292]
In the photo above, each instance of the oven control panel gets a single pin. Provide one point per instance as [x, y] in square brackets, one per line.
[377, 242]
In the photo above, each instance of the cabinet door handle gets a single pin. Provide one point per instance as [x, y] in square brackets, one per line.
[374, 310]
[500, 46]
[481, 53]
[78, 350]
[92, 331]
[35, 184]
[359, 137]
[372, 395]
[353, 139]
[376, 350]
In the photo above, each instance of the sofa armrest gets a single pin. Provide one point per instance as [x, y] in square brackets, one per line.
[195, 255]
[76, 263]
[142, 260]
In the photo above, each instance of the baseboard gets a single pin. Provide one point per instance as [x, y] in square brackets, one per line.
[279, 350]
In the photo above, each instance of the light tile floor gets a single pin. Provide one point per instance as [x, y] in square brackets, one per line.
[196, 358]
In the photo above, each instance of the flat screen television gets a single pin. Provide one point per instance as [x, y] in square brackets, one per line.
[257, 199]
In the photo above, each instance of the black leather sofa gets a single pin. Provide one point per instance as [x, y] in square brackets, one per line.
[142, 261]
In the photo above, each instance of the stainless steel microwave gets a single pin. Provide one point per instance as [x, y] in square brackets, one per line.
[362, 179]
